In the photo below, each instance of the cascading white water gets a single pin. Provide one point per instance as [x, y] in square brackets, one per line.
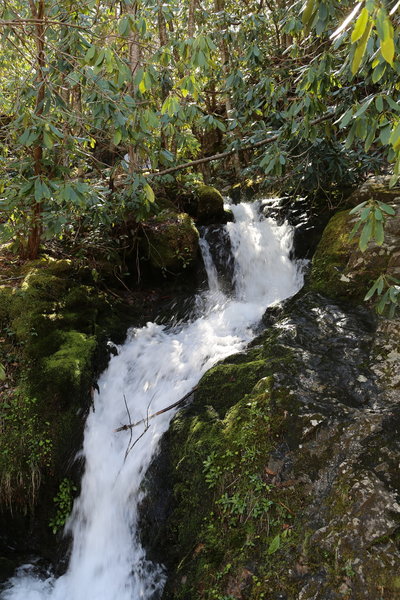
[154, 368]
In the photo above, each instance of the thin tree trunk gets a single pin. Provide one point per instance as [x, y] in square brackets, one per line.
[35, 233]
[162, 26]
[191, 23]
[134, 56]
[163, 37]
[220, 7]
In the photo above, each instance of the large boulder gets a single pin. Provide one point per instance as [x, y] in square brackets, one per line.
[284, 468]
[170, 241]
[206, 205]
[210, 205]
[339, 268]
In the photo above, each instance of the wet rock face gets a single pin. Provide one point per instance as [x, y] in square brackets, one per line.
[377, 188]
[346, 421]
[324, 380]
[308, 222]
[221, 251]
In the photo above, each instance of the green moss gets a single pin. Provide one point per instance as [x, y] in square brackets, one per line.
[171, 241]
[5, 302]
[228, 515]
[40, 283]
[50, 332]
[210, 202]
[49, 265]
[70, 364]
[331, 257]
[231, 381]
[26, 449]
[339, 269]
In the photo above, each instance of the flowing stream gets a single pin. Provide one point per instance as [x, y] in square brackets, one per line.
[155, 367]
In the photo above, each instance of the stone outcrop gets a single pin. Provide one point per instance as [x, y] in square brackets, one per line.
[285, 466]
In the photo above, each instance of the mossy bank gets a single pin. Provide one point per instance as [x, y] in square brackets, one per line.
[54, 326]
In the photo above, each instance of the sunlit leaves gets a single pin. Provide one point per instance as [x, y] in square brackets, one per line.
[308, 12]
[350, 17]
[90, 54]
[274, 545]
[180, 90]
[360, 49]
[117, 137]
[387, 290]
[360, 26]
[378, 72]
[385, 32]
[124, 26]
[197, 51]
[187, 86]
[370, 225]
[394, 138]
[149, 193]
[170, 106]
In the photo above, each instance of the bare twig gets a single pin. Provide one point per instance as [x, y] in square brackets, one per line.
[130, 423]
[131, 446]
[286, 508]
[136, 441]
[160, 412]
[12, 278]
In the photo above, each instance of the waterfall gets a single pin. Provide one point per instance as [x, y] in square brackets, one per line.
[155, 367]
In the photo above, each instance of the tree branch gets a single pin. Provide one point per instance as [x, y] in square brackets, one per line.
[222, 155]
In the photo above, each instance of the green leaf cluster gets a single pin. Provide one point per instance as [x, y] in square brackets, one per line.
[372, 216]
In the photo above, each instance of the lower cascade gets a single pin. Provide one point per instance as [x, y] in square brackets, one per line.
[155, 367]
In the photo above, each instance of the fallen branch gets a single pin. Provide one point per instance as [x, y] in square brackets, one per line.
[221, 155]
[160, 412]
[12, 278]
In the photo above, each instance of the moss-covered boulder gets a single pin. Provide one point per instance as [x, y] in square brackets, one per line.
[284, 467]
[210, 205]
[48, 379]
[170, 242]
[68, 369]
[376, 188]
[206, 205]
[339, 269]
